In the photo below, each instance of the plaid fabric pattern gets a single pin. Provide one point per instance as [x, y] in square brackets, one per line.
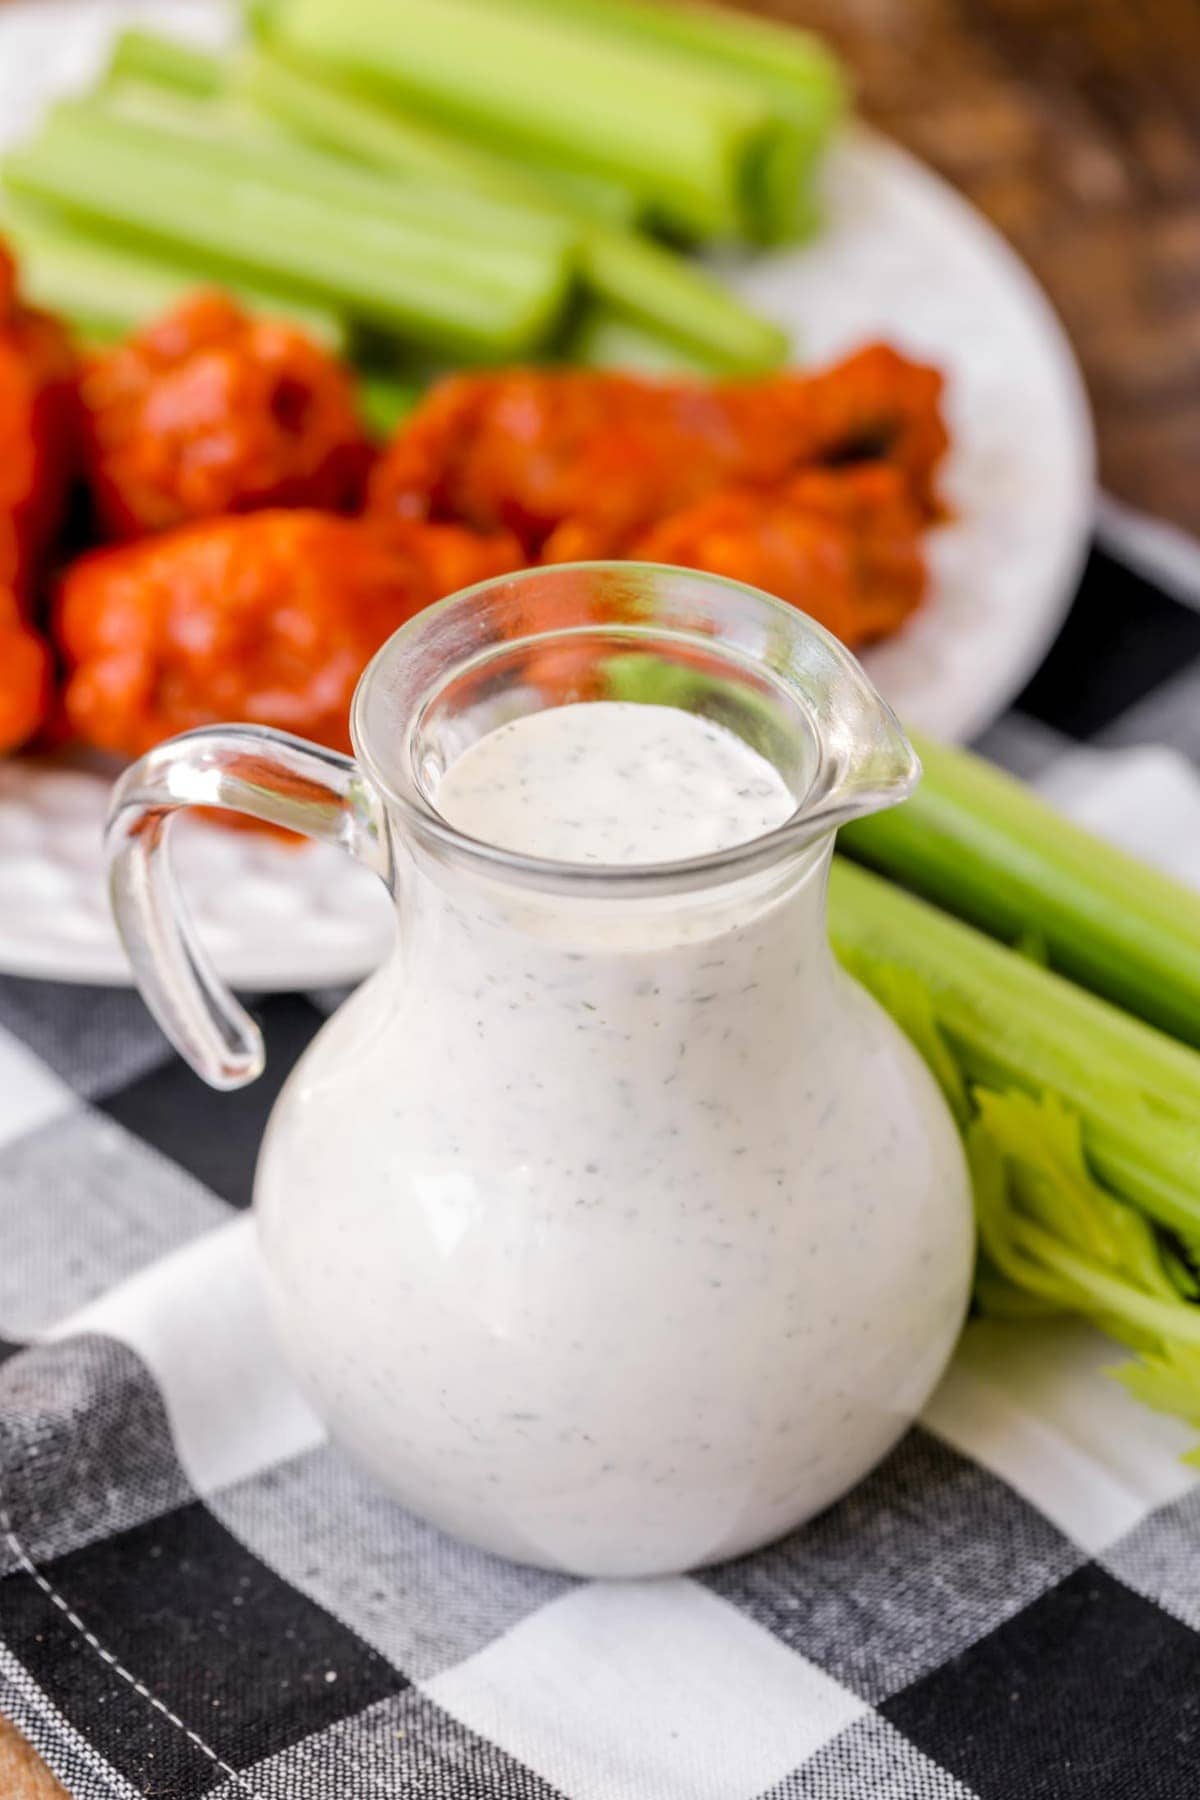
[198, 1596]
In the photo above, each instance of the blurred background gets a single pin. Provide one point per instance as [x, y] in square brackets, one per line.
[1075, 126]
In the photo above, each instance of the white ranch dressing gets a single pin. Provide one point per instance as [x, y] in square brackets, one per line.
[642, 1233]
[614, 783]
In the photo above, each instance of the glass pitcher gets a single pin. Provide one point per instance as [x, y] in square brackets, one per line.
[609, 1223]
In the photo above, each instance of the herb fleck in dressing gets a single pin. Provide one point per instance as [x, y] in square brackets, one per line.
[614, 783]
[617, 1235]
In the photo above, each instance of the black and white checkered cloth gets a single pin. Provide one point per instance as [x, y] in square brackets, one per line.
[200, 1596]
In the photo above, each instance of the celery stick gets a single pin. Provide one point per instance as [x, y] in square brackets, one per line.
[798, 70]
[960, 966]
[223, 120]
[166, 62]
[238, 143]
[986, 847]
[679, 135]
[107, 291]
[777, 183]
[345, 120]
[663, 291]
[1052, 1239]
[644, 280]
[603, 338]
[355, 125]
[801, 77]
[258, 16]
[1015, 1025]
[586, 194]
[398, 256]
[90, 331]
[384, 400]
[785, 202]
[1051, 1230]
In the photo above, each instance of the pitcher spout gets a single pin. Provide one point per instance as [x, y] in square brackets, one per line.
[638, 633]
[865, 760]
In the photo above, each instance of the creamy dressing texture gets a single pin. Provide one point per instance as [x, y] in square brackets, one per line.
[614, 1235]
[612, 782]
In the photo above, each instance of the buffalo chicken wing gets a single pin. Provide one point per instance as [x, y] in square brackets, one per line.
[580, 464]
[26, 670]
[270, 618]
[209, 411]
[38, 419]
[841, 544]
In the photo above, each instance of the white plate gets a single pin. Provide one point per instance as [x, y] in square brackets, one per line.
[903, 257]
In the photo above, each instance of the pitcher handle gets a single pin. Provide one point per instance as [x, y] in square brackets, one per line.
[267, 775]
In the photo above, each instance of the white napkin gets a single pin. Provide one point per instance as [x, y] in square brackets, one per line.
[1146, 799]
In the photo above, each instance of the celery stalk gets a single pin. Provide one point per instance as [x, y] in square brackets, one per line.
[1013, 1024]
[583, 192]
[351, 123]
[779, 202]
[167, 62]
[144, 103]
[604, 338]
[1049, 1229]
[384, 400]
[799, 75]
[800, 72]
[679, 136]
[92, 331]
[1051, 1237]
[984, 846]
[355, 124]
[660, 290]
[679, 300]
[238, 143]
[407, 258]
[106, 291]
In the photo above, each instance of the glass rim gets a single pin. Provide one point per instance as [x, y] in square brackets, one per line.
[802, 838]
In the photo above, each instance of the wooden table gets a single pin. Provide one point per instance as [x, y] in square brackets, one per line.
[1075, 125]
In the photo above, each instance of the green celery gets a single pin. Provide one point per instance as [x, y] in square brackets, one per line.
[385, 400]
[604, 338]
[901, 994]
[663, 292]
[258, 16]
[796, 67]
[983, 845]
[673, 296]
[236, 142]
[1052, 1238]
[1169, 1381]
[451, 271]
[167, 62]
[583, 192]
[1012, 1024]
[92, 331]
[679, 136]
[1049, 1229]
[1041, 1143]
[801, 77]
[352, 123]
[356, 125]
[144, 103]
[780, 207]
[106, 291]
